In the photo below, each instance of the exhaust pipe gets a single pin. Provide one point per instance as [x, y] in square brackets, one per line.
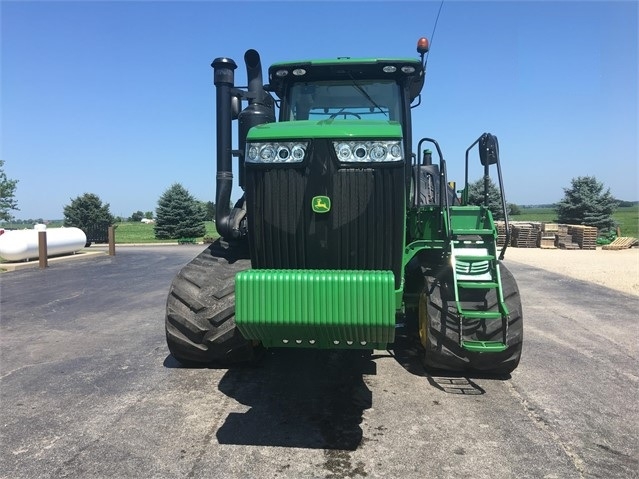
[223, 78]
[260, 110]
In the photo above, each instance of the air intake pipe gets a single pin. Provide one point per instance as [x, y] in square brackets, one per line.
[223, 78]
[260, 109]
[254, 76]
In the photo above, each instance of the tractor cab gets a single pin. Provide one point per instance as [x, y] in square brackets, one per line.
[347, 88]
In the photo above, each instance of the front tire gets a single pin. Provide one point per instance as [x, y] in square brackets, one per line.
[200, 309]
[439, 326]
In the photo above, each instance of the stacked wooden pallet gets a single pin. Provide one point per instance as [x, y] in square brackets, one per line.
[584, 236]
[566, 242]
[525, 235]
[547, 235]
[501, 232]
[622, 242]
[531, 234]
[563, 240]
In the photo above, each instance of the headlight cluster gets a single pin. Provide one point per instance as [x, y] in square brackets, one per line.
[368, 151]
[276, 152]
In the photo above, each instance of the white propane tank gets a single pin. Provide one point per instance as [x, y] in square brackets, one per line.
[23, 244]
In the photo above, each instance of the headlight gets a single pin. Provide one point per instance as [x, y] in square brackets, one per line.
[378, 152]
[276, 152]
[396, 149]
[368, 151]
[267, 154]
[343, 151]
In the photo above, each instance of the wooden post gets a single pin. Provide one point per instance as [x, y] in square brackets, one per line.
[43, 259]
[111, 240]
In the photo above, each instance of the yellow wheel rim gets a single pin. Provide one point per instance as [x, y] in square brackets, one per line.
[423, 319]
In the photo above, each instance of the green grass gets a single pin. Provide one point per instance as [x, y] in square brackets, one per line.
[627, 218]
[546, 215]
[128, 233]
[131, 232]
[28, 226]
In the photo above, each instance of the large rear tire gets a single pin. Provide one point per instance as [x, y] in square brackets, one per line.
[200, 309]
[439, 326]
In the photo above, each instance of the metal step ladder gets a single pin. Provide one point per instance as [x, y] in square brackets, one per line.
[475, 266]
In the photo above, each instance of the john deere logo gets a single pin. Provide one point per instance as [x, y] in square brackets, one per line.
[321, 204]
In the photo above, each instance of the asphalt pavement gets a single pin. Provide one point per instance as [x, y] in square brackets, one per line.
[88, 389]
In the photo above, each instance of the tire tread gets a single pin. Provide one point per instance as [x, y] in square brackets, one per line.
[200, 310]
[443, 350]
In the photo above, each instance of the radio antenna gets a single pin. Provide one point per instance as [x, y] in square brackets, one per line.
[432, 35]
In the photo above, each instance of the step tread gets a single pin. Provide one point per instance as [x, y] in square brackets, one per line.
[484, 346]
[464, 257]
[466, 313]
[466, 231]
[477, 284]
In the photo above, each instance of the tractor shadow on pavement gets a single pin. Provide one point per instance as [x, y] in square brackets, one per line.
[408, 353]
[299, 398]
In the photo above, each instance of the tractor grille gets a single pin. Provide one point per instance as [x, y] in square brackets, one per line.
[362, 231]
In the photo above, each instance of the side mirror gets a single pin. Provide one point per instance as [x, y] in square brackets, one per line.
[236, 106]
[488, 149]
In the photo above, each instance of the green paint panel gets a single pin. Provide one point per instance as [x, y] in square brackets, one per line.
[327, 309]
[424, 223]
[305, 129]
[472, 220]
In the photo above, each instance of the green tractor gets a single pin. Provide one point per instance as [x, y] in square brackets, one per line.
[347, 230]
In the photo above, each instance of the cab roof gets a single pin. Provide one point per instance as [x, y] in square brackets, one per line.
[403, 70]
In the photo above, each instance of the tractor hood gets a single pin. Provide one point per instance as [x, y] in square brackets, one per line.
[307, 129]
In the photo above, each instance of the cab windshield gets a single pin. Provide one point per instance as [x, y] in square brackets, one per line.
[343, 100]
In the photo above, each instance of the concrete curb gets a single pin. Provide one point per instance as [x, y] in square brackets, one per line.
[94, 250]
[34, 263]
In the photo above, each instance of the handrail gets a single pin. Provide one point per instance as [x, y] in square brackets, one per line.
[502, 194]
[443, 193]
[443, 184]
[465, 194]
[504, 208]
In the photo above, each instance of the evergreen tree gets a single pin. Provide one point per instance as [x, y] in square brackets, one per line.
[210, 211]
[87, 212]
[7, 194]
[137, 216]
[586, 203]
[476, 197]
[513, 209]
[178, 215]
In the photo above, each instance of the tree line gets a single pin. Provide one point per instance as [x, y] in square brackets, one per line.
[178, 214]
[586, 202]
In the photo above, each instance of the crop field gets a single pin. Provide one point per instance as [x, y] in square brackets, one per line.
[627, 218]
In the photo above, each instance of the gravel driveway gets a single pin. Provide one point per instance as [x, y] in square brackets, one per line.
[618, 270]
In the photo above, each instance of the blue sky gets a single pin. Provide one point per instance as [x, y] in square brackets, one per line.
[117, 98]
